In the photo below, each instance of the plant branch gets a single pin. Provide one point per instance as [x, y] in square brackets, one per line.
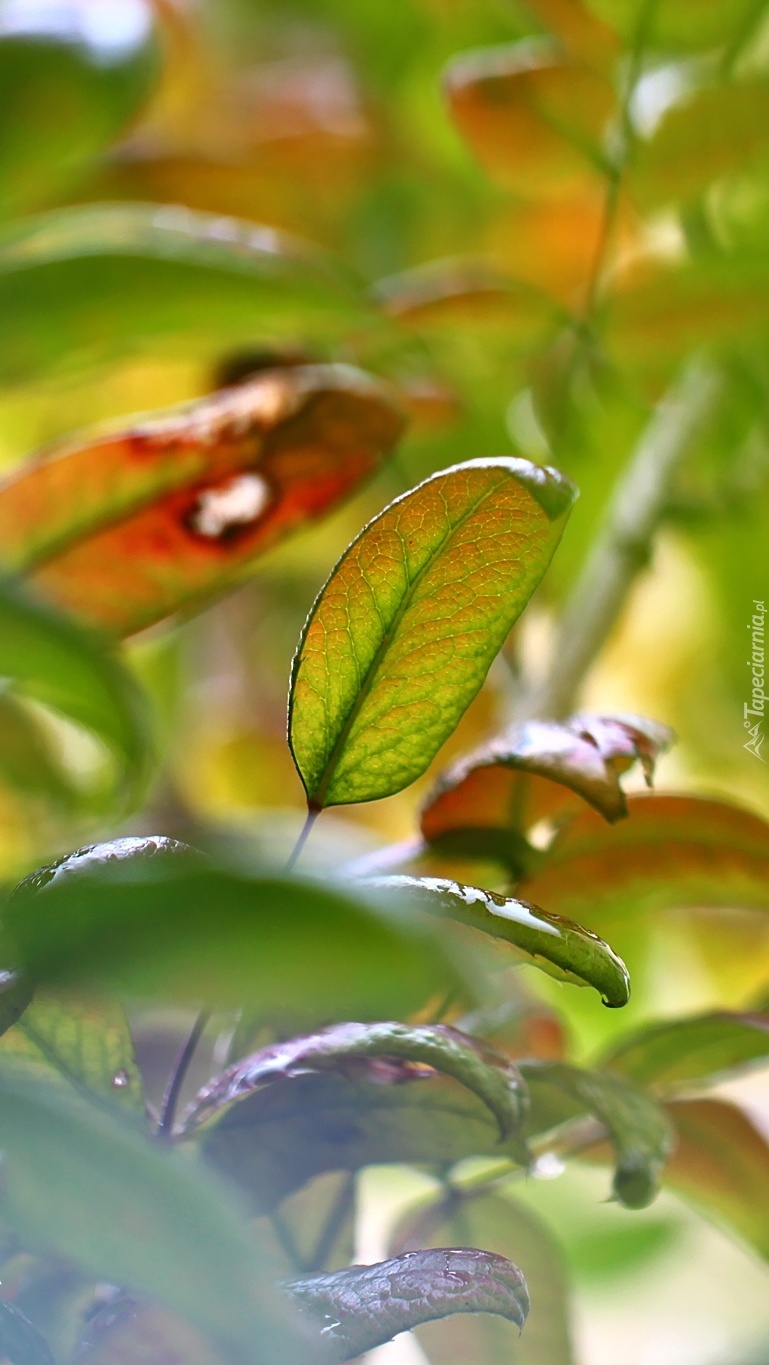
[178, 1074]
[623, 550]
[304, 835]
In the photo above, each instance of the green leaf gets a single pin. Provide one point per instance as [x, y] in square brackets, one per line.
[402, 635]
[721, 1166]
[95, 281]
[361, 1307]
[502, 1226]
[20, 1342]
[28, 763]
[638, 1127]
[68, 88]
[470, 1061]
[702, 1048]
[557, 946]
[485, 803]
[85, 1041]
[52, 660]
[149, 917]
[673, 851]
[282, 1132]
[680, 25]
[81, 1183]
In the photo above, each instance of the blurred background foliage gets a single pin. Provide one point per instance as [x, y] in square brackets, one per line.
[529, 216]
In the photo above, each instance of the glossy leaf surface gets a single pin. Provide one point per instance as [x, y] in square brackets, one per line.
[284, 1132]
[557, 946]
[533, 119]
[721, 1165]
[86, 1042]
[89, 282]
[81, 1183]
[128, 528]
[698, 1048]
[672, 851]
[500, 1225]
[53, 661]
[67, 89]
[364, 1306]
[148, 916]
[485, 803]
[639, 1128]
[402, 635]
[20, 1342]
[470, 1061]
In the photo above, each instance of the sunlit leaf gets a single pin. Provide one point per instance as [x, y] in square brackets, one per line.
[533, 118]
[150, 917]
[28, 763]
[672, 851]
[557, 946]
[500, 1225]
[721, 1165]
[125, 529]
[68, 87]
[284, 1132]
[476, 1065]
[54, 661]
[81, 1183]
[364, 1306]
[86, 1042]
[402, 635]
[485, 803]
[638, 1126]
[698, 1048]
[85, 284]
[680, 25]
[20, 1342]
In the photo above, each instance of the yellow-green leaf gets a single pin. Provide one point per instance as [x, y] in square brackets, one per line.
[402, 635]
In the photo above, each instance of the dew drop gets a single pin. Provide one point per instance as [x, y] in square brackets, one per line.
[235, 504]
[120, 1079]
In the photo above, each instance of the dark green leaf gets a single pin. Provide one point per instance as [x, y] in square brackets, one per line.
[639, 1128]
[83, 1184]
[148, 916]
[699, 1048]
[103, 279]
[402, 635]
[54, 661]
[20, 1342]
[364, 1306]
[499, 1224]
[557, 946]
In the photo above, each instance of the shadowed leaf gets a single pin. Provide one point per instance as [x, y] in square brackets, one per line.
[366, 1305]
[500, 1225]
[557, 946]
[85, 283]
[533, 118]
[402, 635]
[700, 1048]
[126, 529]
[673, 851]
[52, 660]
[20, 1342]
[485, 803]
[133, 1333]
[639, 1128]
[149, 916]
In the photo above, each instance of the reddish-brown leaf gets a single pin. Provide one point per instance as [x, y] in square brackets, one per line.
[128, 528]
[721, 1165]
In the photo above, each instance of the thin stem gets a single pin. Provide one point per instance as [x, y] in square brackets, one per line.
[178, 1074]
[640, 501]
[342, 1207]
[304, 835]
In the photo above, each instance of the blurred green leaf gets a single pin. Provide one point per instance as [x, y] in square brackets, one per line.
[502, 1226]
[20, 1342]
[681, 25]
[28, 763]
[557, 946]
[54, 661]
[82, 1184]
[151, 918]
[364, 1306]
[699, 1048]
[389, 661]
[87, 284]
[69, 84]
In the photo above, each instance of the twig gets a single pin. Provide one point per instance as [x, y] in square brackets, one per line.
[624, 548]
[178, 1074]
[304, 835]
